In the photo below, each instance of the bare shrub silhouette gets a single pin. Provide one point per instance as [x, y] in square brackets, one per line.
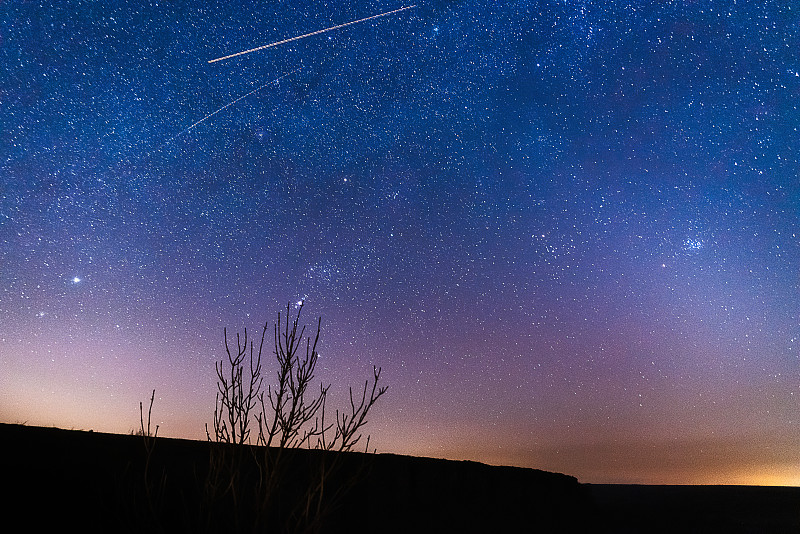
[289, 414]
[148, 435]
[235, 399]
[154, 485]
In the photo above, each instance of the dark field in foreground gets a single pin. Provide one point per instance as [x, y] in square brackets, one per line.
[94, 481]
[744, 509]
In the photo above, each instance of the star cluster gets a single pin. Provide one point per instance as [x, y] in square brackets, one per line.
[566, 230]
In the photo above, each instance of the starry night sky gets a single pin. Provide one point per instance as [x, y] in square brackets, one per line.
[566, 230]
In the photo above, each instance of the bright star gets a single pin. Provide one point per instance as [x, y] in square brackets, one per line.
[76, 280]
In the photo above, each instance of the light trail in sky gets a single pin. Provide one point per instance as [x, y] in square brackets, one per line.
[232, 102]
[311, 34]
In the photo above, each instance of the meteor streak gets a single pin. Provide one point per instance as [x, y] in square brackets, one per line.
[312, 33]
[232, 102]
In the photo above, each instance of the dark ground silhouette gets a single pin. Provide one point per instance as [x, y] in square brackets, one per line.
[94, 481]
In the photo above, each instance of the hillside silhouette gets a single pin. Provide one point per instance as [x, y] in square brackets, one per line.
[96, 481]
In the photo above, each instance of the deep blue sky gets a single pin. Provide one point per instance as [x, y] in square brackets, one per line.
[567, 230]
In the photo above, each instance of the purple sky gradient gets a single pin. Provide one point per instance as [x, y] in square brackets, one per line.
[567, 231]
